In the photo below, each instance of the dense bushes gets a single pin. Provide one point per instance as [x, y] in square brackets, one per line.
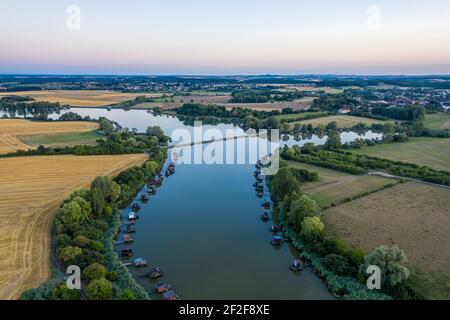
[303, 175]
[341, 267]
[324, 158]
[16, 106]
[263, 96]
[408, 113]
[116, 141]
[358, 164]
[84, 229]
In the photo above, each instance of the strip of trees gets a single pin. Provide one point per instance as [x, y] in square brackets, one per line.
[84, 228]
[343, 268]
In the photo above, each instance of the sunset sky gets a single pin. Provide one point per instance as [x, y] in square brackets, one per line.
[226, 37]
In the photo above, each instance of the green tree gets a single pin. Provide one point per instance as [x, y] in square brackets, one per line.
[332, 125]
[100, 289]
[251, 122]
[391, 261]
[285, 205]
[71, 212]
[94, 271]
[312, 229]
[63, 240]
[81, 241]
[103, 184]
[69, 254]
[302, 208]
[272, 123]
[283, 183]
[151, 168]
[126, 294]
[84, 205]
[62, 292]
[334, 141]
[108, 211]
[98, 202]
[388, 128]
[157, 132]
[114, 192]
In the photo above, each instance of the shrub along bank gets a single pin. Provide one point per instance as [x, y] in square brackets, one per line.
[84, 230]
[359, 164]
[342, 268]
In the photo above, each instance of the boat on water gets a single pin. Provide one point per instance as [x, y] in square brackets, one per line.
[296, 266]
[140, 263]
[126, 252]
[162, 287]
[276, 228]
[144, 198]
[127, 238]
[136, 207]
[156, 273]
[170, 296]
[265, 217]
[276, 240]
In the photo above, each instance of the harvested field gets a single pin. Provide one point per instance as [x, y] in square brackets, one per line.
[32, 189]
[432, 152]
[335, 187]
[301, 104]
[12, 129]
[80, 98]
[10, 143]
[178, 101]
[438, 120]
[415, 217]
[343, 121]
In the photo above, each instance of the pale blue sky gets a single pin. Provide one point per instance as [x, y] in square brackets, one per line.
[225, 37]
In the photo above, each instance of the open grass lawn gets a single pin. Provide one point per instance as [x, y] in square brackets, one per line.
[343, 121]
[80, 98]
[69, 139]
[334, 186]
[298, 115]
[414, 216]
[432, 152]
[32, 188]
[316, 89]
[11, 131]
[438, 120]
[300, 104]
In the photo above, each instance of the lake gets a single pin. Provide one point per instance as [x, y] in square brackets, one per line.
[203, 228]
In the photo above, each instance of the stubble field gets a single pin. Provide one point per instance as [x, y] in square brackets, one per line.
[12, 129]
[31, 189]
[79, 98]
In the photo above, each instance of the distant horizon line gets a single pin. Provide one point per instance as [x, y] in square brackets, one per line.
[229, 75]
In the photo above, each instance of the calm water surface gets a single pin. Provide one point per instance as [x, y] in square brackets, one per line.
[203, 228]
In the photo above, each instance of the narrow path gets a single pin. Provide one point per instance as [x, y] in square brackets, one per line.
[388, 175]
[208, 141]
